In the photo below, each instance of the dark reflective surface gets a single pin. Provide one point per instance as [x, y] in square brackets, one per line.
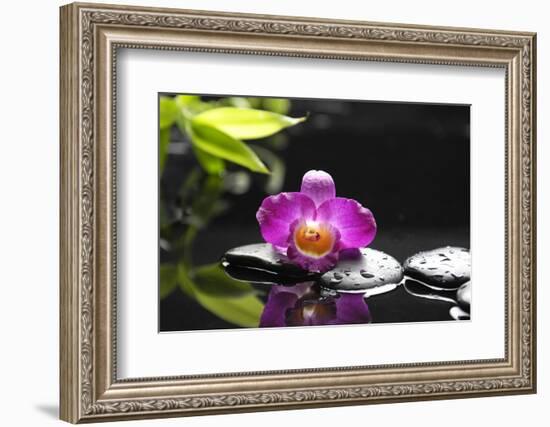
[407, 301]
[394, 306]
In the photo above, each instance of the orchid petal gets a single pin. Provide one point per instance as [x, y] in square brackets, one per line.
[355, 223]
[274, 314]
[352, 309]
[279, 301]
[318, 186]
[277, 213]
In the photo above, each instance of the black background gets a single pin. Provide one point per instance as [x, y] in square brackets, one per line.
[408, 163]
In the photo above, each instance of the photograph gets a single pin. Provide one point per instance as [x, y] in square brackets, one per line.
[280, 212]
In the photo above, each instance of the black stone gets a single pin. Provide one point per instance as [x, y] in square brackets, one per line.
[464, 296]
[362, 269]
[458, 314]
[260, 277]
[262, 256]
[441, 268]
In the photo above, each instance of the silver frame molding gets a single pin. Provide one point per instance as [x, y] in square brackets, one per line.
[90, 37]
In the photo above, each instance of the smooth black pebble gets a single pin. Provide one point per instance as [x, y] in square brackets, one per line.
[362, 269]
[262, 256]
[443, 268]
[458, 314]
[260, 277]
[464, 296]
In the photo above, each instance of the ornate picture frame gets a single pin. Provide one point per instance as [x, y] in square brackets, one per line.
[90, 37]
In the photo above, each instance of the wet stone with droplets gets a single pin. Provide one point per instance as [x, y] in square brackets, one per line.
[362, 269]
[443, 268]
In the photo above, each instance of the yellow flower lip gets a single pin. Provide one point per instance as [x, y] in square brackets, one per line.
[314, 239]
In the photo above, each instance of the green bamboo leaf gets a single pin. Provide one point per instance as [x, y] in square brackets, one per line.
[213, 281]
[245, 123]
[168, 112]
[254, 102]
[277, 105]
[211, 164]
[190, 105]
[186, 100]
[236, 101]
[218, 143]
[242, 311]
[168, 279]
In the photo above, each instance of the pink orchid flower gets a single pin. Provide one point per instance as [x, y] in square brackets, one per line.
[312, 226]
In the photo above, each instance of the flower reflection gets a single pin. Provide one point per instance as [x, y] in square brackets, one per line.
[305, 305]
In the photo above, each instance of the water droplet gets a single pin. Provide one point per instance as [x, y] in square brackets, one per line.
[366, 274]
[347, 272]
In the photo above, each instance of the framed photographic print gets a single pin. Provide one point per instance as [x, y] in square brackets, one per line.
[265, 212]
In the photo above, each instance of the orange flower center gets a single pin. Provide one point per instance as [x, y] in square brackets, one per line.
[314, 239]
